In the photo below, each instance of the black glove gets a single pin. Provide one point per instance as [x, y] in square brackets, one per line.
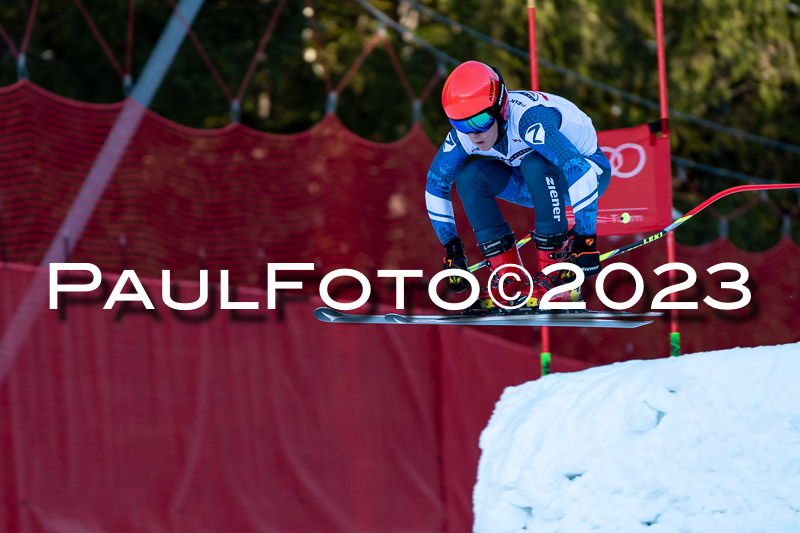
[585, 254]
[456, 258]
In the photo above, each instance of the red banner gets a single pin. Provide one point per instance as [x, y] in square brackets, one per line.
[640, 182]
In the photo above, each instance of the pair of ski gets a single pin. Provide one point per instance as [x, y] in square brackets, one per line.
[557, 318]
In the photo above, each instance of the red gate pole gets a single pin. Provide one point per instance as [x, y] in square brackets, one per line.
[544, 357]
[674, 335]
[662, 69]
[532, 44]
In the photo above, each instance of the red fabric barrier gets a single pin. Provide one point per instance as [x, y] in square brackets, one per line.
[126, 420]
[131, 421]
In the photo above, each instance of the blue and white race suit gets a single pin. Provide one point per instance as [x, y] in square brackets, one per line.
[555, 138]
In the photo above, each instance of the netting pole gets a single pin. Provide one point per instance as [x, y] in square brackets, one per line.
[127, 80]
[22, 69]
[103, 168]
[674, 335]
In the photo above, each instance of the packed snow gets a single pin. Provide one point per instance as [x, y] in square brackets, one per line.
[707, 442]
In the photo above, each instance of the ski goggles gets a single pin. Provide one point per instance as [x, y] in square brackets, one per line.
[477, 124]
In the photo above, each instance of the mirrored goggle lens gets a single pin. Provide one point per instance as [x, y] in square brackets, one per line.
[477, 124]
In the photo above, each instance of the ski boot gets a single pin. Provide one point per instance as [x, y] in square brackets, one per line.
[550, 250]
[502, 252]
[518, 292]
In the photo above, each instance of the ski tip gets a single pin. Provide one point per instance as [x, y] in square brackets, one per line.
[394, 318]
[326, 314]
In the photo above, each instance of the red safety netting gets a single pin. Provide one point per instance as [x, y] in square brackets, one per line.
[131, 421]
[226, 199]
[223, 198]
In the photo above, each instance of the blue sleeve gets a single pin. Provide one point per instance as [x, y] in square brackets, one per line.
[539, 127]
[448, 161]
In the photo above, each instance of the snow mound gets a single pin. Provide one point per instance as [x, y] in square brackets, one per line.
[704, 442]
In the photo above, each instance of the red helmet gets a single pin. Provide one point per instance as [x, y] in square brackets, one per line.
[473, 88]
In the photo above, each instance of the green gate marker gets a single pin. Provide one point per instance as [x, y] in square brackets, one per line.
[674, 344]
[545, 363]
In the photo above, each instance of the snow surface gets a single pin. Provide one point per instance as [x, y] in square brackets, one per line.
[707, 442]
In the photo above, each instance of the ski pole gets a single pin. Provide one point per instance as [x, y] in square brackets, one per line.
[624, 218]
[678, 222]
[690, 214]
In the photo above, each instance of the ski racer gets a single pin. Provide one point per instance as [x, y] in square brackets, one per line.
[542, 153]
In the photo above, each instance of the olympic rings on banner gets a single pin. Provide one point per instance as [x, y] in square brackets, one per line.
[617, 161]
